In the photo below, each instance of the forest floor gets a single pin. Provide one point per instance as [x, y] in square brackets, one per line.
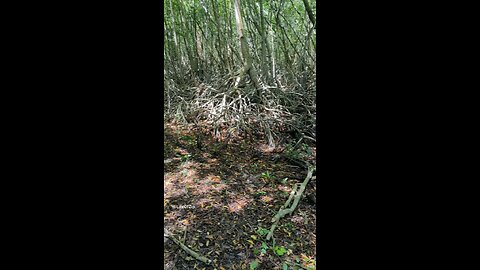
[220, 201]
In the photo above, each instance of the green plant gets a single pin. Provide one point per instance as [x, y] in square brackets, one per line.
[264, 248]
[307, 149]
[262, 231]
[187, 138]
[267, 175]
[279, 250]
[254, 265]
[186, 157]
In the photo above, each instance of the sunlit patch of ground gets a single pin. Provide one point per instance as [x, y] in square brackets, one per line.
[238, 205]
[217, 196]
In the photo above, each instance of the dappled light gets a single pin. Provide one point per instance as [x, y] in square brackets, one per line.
[240, 133]
[219, 202]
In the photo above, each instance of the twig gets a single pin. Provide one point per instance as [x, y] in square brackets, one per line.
[187, 249]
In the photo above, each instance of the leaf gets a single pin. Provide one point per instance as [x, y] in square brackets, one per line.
[262, 231]
[251, 242]
[284, 266]
[253, 264]
[264, 248]
[279, 250]
[254, 237]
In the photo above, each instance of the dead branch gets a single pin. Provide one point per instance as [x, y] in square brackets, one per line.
[197, 256]
[282, 212]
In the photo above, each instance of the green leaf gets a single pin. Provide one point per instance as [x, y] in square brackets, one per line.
[262, 231]
[186, 138]
[253, 264]
[186, 157]
[264, 248]
[284, 266]
[279, 250]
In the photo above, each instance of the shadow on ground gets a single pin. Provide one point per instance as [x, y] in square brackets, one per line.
[218, 200]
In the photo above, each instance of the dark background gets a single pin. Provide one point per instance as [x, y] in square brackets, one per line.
[83, 134]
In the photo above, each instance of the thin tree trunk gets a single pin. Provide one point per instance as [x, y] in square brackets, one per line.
[247, 58]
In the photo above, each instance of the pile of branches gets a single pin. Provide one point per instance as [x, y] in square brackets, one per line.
[223, 109]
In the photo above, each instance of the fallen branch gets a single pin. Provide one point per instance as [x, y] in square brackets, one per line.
[197, 256]
[287, 203]
[282, 212]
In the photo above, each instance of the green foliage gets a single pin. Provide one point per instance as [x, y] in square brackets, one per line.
[264, 248]
[254, 265]
[186, 157]
[201, 46]
[187, 138]
[262, 231]
[267, 175]
[279, 250]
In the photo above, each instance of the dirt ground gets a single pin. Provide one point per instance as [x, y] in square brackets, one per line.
[220, 199]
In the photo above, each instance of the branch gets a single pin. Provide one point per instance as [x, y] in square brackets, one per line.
[282, 212]
[201, 258]
[287, 203]
[310, 13]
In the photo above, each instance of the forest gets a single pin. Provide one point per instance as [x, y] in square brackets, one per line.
[240, 134]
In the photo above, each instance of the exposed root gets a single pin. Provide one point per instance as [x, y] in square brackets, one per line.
[298, 195]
